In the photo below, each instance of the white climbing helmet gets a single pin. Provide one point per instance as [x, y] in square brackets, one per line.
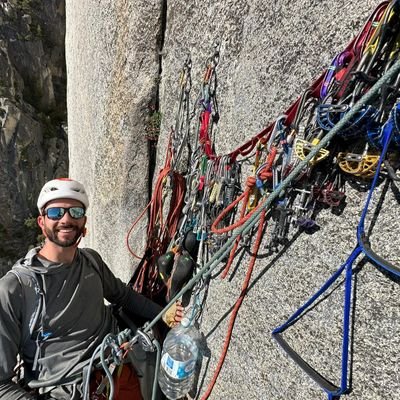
[62, 188]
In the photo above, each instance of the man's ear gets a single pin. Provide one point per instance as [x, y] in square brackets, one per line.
[84, 229]
[40, 221]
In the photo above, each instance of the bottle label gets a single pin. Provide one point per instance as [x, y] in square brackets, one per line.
[177, 369]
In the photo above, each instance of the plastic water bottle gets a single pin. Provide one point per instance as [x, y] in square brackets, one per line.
[178, 360]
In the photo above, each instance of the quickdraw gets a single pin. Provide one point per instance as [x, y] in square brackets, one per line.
[208, 114]
[339, 74]
[180, 134]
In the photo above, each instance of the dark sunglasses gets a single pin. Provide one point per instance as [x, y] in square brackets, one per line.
[56, 213]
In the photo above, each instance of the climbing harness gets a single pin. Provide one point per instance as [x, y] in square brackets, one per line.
[111, 355]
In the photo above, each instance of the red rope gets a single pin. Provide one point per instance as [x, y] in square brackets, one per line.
[204, 137]
[265, 174]
[131, 229]
[159, 231]
[250, 185]
[236, 308]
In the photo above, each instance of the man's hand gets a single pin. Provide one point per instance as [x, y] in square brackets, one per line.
[173, 315]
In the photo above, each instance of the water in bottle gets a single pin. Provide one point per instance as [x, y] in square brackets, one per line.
[178, 360]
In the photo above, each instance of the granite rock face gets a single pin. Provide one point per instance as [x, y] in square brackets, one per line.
[123, 61]
[33, 145]
[112, 52]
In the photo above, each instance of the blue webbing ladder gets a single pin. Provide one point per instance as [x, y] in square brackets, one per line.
[363, 247]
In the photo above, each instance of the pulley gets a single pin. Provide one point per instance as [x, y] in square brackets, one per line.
[361, 165]
[302, 148]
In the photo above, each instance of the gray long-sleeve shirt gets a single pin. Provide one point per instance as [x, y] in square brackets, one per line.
[75, 317]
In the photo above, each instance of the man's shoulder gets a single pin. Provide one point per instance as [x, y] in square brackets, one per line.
[28, 259]
[22, 268]
[88, 250]
[9, 282]
[93, 257]
[10, 287]
[20, 281]
[20, 275]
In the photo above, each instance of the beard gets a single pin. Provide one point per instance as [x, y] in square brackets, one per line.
[52, 235]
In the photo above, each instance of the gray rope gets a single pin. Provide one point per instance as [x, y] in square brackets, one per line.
[248, 225]
[157, 368]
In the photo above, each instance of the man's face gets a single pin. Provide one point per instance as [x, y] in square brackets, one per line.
[66, 231]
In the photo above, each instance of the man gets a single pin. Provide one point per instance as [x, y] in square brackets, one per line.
[70, 285]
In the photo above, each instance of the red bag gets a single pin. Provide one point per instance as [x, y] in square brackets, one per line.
[126, 384]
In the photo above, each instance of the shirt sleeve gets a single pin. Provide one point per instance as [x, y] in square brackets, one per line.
[11, 300]
[118, 293]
